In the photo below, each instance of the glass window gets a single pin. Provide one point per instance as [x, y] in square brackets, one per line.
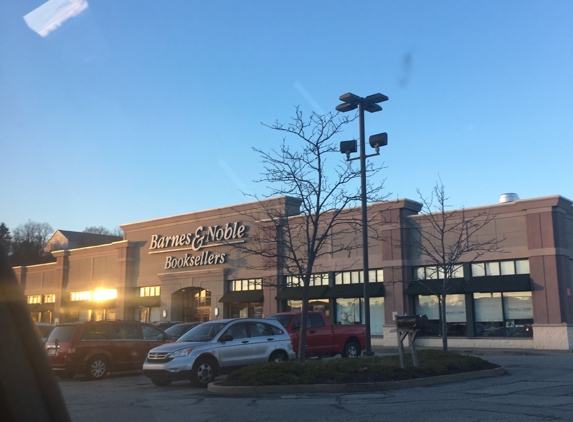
[507, 267]
[522, 266]
[492, 268]
[431, 273]
[455, 314]
[377, 275]
[458, 271]
[151, 333]
[478, 269]
[419, 273]
[50, 298]
[377, 318]
[316, 320]
[347, 311]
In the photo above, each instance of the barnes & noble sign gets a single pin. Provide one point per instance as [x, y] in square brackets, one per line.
[203, 237]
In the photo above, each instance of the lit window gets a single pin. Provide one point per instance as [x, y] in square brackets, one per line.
[34, 299]
[77, 296]
[105, 294]
[247, 284]
[150, 291]
[50, 298]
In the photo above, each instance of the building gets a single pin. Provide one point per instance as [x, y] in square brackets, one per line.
[194, 267]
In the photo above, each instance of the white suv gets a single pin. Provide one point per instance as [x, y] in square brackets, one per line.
[218, 347]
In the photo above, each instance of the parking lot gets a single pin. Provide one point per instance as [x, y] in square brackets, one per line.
[535, 388]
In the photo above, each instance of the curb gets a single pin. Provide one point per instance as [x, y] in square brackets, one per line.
[214, 387]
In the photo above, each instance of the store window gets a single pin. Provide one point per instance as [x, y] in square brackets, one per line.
[245, 309]
[351, 311]
[245, 285]
[433, 272]
[508, 314]
[356, 277]
[150, 291]
[315, 305]
[455, 314]
[315, 280]
[497, 268]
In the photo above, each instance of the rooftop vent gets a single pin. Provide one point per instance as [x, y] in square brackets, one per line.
[508, 197]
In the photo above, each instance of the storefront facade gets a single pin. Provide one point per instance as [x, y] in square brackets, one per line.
[196, 267]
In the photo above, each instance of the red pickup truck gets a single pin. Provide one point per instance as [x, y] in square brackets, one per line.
[323, 338]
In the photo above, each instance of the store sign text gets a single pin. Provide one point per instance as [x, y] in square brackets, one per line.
[203, 237]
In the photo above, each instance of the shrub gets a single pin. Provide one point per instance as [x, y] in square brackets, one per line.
[363, 369]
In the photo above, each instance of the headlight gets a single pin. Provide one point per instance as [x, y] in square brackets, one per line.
[181, 353]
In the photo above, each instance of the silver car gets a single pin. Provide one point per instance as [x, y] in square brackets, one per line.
[218, 347]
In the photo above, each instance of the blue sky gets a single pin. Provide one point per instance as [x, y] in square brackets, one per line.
[117, 112]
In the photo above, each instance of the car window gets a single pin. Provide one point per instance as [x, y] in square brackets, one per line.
[130, 331]
[262, 329]
[283, 319]
[316, 320]
[95, 332]
[238, 331]
[62, 333]
[203, 332]
[151, 333]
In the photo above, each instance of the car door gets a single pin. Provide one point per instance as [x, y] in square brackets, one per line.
[235, 352]
[262, 341]
[319, 335]
[127, 341]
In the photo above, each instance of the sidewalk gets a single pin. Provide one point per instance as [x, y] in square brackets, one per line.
[381, 351]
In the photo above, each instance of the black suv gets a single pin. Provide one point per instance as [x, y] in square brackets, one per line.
[96, 348]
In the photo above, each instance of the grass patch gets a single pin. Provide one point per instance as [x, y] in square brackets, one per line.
[363, 369]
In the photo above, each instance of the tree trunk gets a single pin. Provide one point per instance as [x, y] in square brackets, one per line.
[444, 324]
[303, 324]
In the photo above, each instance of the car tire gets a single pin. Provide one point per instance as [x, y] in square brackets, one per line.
[65, 375]
[351, 349]
[204, 371]
[161, 383]
[278, 357]
[97, 368]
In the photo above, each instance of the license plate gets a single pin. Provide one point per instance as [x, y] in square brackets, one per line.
[51, 352]
[152, 367]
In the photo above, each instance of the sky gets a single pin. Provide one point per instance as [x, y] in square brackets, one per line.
[117, 112]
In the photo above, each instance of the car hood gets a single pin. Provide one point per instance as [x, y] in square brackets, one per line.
[171, 347]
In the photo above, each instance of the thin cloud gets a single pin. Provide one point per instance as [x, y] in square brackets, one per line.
[51, 15]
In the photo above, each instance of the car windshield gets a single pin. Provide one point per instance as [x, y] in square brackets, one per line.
[177, 330]
[203, 332]
[283, 319]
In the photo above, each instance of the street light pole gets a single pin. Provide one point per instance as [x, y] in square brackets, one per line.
[370, 104]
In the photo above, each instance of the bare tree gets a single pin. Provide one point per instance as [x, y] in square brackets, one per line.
[28, 243]
[443, 239]
[102, 230]
[311, 168]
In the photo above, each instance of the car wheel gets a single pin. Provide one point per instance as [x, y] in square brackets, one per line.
[204, 372]
[97, 368]
[351, 349]
[66, 375]
[161, 383]
[278, 357]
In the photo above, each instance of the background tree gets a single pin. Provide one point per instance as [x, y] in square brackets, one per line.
[28, 243]
[311, 168]
[102, 230]
[5, 238]
[443, 240]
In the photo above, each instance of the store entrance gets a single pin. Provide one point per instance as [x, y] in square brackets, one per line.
[192, 304]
